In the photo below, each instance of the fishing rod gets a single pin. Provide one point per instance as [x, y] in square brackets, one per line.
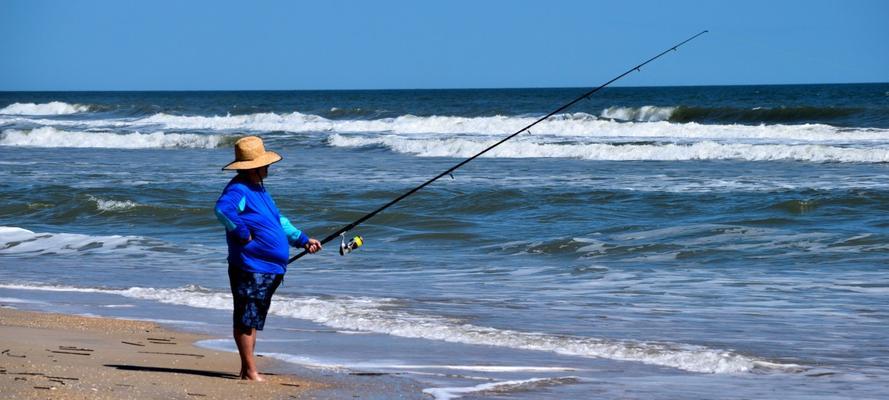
[357, 241]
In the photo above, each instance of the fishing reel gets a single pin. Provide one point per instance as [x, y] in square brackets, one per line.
[354, 244]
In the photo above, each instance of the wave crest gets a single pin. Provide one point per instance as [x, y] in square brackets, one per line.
[51, 108]
[112, 205]
[640, 123]
[682, 114]
[15, 240]
[705, 150]
[641, 114]
[52, 137]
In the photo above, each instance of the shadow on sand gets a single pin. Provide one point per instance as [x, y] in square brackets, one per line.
[198, 372]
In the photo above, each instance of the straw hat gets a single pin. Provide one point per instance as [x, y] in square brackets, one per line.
[250, 153]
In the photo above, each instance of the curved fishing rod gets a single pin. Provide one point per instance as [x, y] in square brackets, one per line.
[358, 241]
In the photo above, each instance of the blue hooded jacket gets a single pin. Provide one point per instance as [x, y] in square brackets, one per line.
[246, 210]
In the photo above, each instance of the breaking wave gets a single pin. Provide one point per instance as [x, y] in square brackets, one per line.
[705, 150]
[641, 114]
[20, 241]
[113, 205]
[51, 108]
[52, 137]
[351, 112]
[561, 125]
[732, 115]
[381, 315]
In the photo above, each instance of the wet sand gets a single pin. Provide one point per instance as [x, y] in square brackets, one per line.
[56, 356]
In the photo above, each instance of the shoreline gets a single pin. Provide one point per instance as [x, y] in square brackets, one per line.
[59, 356]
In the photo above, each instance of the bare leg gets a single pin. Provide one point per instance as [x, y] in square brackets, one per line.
[246, 341]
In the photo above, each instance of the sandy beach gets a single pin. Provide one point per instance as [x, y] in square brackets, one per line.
[56, 356]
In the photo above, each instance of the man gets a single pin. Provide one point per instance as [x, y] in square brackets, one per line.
[258, 237]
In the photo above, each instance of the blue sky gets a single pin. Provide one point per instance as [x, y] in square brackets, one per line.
[227, 45]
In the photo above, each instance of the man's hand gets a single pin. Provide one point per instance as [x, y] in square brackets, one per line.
[313, 246]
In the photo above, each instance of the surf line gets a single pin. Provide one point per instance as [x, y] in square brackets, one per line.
[356, 242]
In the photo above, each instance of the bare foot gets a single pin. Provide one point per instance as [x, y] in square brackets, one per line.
[252, 376]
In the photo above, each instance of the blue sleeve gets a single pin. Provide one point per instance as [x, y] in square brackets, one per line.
[295, 236]
[228, 210]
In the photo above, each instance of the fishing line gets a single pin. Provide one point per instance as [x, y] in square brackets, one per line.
[358, 241]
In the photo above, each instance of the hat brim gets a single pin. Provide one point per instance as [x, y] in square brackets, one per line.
[270, 157]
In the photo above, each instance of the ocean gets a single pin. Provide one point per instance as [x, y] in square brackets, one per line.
[651, 243]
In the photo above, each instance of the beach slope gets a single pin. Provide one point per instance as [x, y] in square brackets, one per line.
[55, 356]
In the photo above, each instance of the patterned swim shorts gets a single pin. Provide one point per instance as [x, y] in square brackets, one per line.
[252, 293]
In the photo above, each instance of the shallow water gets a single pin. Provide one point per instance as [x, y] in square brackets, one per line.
[655, 243]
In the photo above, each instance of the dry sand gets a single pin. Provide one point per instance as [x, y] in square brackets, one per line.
[56, 356]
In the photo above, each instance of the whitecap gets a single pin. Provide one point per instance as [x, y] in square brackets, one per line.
[112, 205]
[644, 123]
[640, 114]
[51, 108]
[20, 241]
[52, 137]
[705, 150]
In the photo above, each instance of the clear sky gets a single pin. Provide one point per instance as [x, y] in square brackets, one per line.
[231, 45]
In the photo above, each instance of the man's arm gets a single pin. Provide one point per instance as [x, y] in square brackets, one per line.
[297, 238]
[228, 210]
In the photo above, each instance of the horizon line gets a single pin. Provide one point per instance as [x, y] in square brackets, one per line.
[436, 89]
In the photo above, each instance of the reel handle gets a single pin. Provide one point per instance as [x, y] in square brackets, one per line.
[354, 244]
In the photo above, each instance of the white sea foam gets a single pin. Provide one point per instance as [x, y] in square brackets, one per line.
[286, 357]
[12, 234]
[561, 125]
[51, 108]
[14, 300]
[706, 150]
[641, 114]
[113, 205]
[52, 137]
[293, 122]
[22, 241]
[226, 345]
[373, 315]
[59, 288]
[380, 315]
[476, 368]
[449, 393]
